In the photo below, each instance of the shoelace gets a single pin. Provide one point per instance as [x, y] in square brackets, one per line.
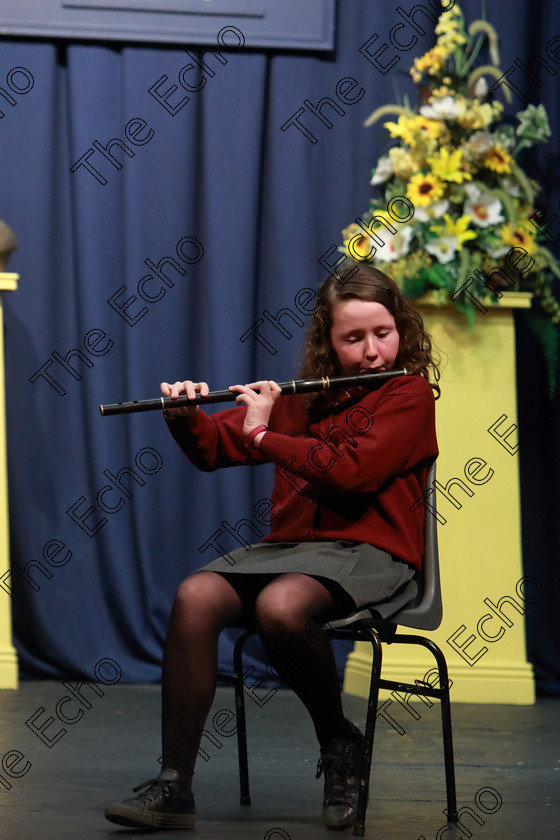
[336, 773]
[162, 786]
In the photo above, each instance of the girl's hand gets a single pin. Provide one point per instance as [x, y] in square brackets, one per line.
[259, 397]
[191, 389]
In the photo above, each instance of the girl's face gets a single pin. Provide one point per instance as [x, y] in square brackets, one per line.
[364, 336]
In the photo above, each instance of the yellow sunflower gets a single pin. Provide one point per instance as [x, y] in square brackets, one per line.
[414, 129]
[422, 189]
[498, 160]
[521, 235]
[356, 244]
[423, 125]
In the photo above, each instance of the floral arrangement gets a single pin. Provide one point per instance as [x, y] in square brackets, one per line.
[455, 163]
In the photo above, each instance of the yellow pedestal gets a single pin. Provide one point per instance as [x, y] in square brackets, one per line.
[480, 540]
[8, 656]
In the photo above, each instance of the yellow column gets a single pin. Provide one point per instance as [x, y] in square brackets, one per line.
[480, 541]
[8, 656]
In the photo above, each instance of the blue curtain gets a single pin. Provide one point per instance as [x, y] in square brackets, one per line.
[156, 225]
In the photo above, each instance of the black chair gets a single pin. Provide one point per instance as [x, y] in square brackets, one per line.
[424, 613]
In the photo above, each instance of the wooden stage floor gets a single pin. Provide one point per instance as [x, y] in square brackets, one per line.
[507, 762]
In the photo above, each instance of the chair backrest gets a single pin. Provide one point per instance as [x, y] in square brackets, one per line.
[426, 611]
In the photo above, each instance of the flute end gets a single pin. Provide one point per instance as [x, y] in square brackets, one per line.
[102, 410]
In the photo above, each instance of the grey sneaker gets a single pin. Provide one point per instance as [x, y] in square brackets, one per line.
[340, 763]
[161, 805]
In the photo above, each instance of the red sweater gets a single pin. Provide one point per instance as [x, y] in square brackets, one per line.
[354, 475]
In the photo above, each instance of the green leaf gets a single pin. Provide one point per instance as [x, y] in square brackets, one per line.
[523, 182]
[465, 306]
[475, 51]
[550, 258]
[415, 286]
[439, 277]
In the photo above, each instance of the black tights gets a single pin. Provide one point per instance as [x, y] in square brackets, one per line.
[288, 610]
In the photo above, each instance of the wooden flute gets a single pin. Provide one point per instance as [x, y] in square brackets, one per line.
[293, 386]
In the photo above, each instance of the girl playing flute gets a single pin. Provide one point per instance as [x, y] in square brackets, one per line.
[345, 533]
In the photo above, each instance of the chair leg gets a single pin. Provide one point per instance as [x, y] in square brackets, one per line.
[359, 825]
[447, 738]
[447, 731]
[245, 795]
[448, 755]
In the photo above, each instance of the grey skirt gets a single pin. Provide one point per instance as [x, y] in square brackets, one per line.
[370, 576]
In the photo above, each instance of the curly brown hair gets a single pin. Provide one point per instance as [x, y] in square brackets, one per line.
[369, 284]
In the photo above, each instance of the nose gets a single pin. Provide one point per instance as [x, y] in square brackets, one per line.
[371, 348]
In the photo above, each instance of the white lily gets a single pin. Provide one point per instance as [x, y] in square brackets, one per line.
[441, 109]
[484, 208]
[383, 170]
[394, 246]
[443, 248]
[435, 210]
